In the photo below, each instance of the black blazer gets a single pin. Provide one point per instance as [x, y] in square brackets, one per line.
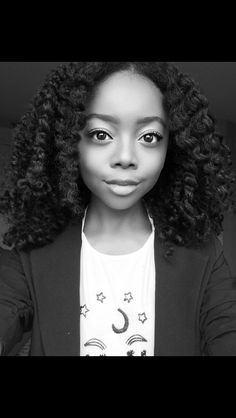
[195, 303]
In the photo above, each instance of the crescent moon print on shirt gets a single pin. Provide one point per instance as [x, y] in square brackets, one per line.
[98, 343]
[126, 324]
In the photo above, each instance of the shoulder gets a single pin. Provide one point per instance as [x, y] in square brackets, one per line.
[10, 258]
[213, 247]
[16, 257]
[209, 254]
[209, 251]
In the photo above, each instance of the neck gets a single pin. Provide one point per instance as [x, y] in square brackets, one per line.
[101, 219]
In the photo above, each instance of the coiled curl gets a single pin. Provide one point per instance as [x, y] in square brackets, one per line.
[46, 190]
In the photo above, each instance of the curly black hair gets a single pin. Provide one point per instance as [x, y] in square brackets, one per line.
[46, 190]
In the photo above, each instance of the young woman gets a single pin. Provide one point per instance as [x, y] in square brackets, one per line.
[119, 183]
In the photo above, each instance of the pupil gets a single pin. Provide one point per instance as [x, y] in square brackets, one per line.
[149, 137]
[101, 135]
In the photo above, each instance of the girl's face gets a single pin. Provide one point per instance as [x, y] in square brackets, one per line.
[125, 139]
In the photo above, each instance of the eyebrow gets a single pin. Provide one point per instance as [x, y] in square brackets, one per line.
[110, 118]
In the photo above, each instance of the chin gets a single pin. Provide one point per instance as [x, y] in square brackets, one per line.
[121, 203]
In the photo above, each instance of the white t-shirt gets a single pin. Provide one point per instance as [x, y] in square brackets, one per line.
[117, 300]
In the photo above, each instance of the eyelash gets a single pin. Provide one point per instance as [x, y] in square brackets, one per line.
[158, 136]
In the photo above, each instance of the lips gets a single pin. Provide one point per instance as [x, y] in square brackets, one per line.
[123, 182]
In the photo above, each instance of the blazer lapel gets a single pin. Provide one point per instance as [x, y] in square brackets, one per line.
[178, 285]
[56, 274]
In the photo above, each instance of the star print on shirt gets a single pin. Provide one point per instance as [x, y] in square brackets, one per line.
[101, 297]
[142, 317]
[84, 310]
[128, 297]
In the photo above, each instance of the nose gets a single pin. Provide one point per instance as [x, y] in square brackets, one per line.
[125, 153]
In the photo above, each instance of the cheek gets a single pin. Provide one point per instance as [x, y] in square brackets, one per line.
[155, 166]
[89, 165]
[86, 158]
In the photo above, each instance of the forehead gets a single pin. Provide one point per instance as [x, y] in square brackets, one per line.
[127, 94]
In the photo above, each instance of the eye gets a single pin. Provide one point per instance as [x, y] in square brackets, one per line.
[152, 137]
[99, 135]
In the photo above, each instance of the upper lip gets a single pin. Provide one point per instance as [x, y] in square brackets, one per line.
[122, 182]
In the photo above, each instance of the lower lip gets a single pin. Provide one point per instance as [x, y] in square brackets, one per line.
[122, 190]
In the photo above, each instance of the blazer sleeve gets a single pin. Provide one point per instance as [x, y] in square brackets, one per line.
[16, 308]
[218, 310]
